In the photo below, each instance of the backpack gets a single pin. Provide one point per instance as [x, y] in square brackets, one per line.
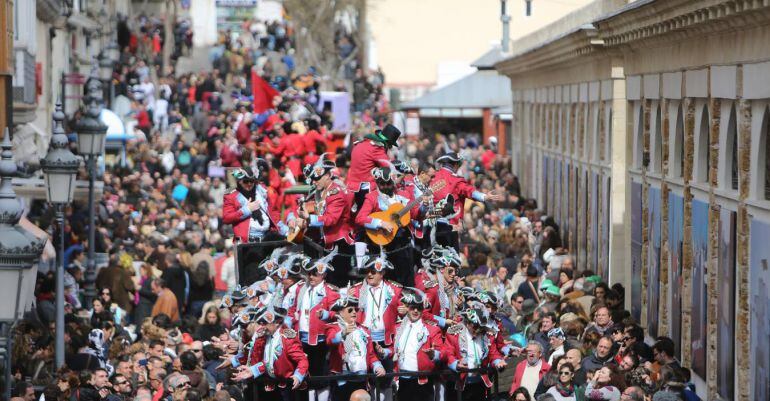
[200, 274]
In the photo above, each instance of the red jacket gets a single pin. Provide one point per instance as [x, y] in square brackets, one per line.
[316, 325]
[365, 156]
[337, 348]
[312, 139]
[436, 312]
[455, 352]
[235, 211]
[292, 359]
[335, 218]
[458, 188]
[516, 383]
[430, 340]
[390, 315]
[243, 133]
[419, 280]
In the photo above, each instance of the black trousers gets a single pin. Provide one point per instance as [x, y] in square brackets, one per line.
[388, 365]
[342, 264]
[446, 236]
[410, 390]
[316, 357]
[342, 393]
[401, 254]
[475, 391]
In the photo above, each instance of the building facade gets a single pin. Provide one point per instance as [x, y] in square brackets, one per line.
[644, 129]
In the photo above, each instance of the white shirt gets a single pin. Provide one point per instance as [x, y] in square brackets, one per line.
[375, 308]
[531, 377]
[305, 304]
[288, 299]
[355, 351]
[475, 352]
[409, 345]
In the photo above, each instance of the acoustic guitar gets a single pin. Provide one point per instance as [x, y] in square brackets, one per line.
[297, 233]
[398, 215]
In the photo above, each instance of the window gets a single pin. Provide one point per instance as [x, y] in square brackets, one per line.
[732, 149]
[657, 152]
[676, 166]
[702, 161]
[763, 167]
[639, 139]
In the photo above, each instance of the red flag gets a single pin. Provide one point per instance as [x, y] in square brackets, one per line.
[263, 93]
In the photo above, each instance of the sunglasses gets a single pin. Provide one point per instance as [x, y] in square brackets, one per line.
[196, 350]
[414, 307]
[248, 181]
[183, 385]
[350, 309]
[565, 373]
[372, 271]
[121, 383]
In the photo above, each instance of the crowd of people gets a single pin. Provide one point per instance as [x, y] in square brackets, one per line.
[469, 280]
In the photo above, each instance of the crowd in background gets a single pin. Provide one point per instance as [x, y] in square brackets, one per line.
[146, 335]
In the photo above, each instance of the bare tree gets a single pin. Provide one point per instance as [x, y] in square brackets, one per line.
[316, 24]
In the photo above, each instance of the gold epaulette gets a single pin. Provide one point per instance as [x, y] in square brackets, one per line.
[289, 333]
[455, 329]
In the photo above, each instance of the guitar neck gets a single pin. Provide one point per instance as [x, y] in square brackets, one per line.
[408, 207]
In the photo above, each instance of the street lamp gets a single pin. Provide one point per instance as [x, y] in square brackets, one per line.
[19, 251]
[60, 167]
[105, 72]
[91, 133]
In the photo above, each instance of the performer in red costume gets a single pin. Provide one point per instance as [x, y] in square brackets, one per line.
[453, 196]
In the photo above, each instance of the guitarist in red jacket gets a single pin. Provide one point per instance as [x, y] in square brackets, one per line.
[399, 251]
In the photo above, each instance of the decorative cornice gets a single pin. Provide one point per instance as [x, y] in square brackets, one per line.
[682, 18]
[639, 24]
[579, 43]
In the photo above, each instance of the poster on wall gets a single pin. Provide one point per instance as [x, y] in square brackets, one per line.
[759, 279]
[653, 260]
[636, 249]
[726, 302]
[675, 243]
[700, 234]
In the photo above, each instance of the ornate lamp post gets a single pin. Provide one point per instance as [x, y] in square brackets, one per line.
[19, 251]
[106, 66]
[91, 132]
[60, 167]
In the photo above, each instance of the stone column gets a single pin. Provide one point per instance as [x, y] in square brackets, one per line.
[689, 151]
[645, 115]
[712, 323]
[742, 328]
[620, 220]
[664, 246]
